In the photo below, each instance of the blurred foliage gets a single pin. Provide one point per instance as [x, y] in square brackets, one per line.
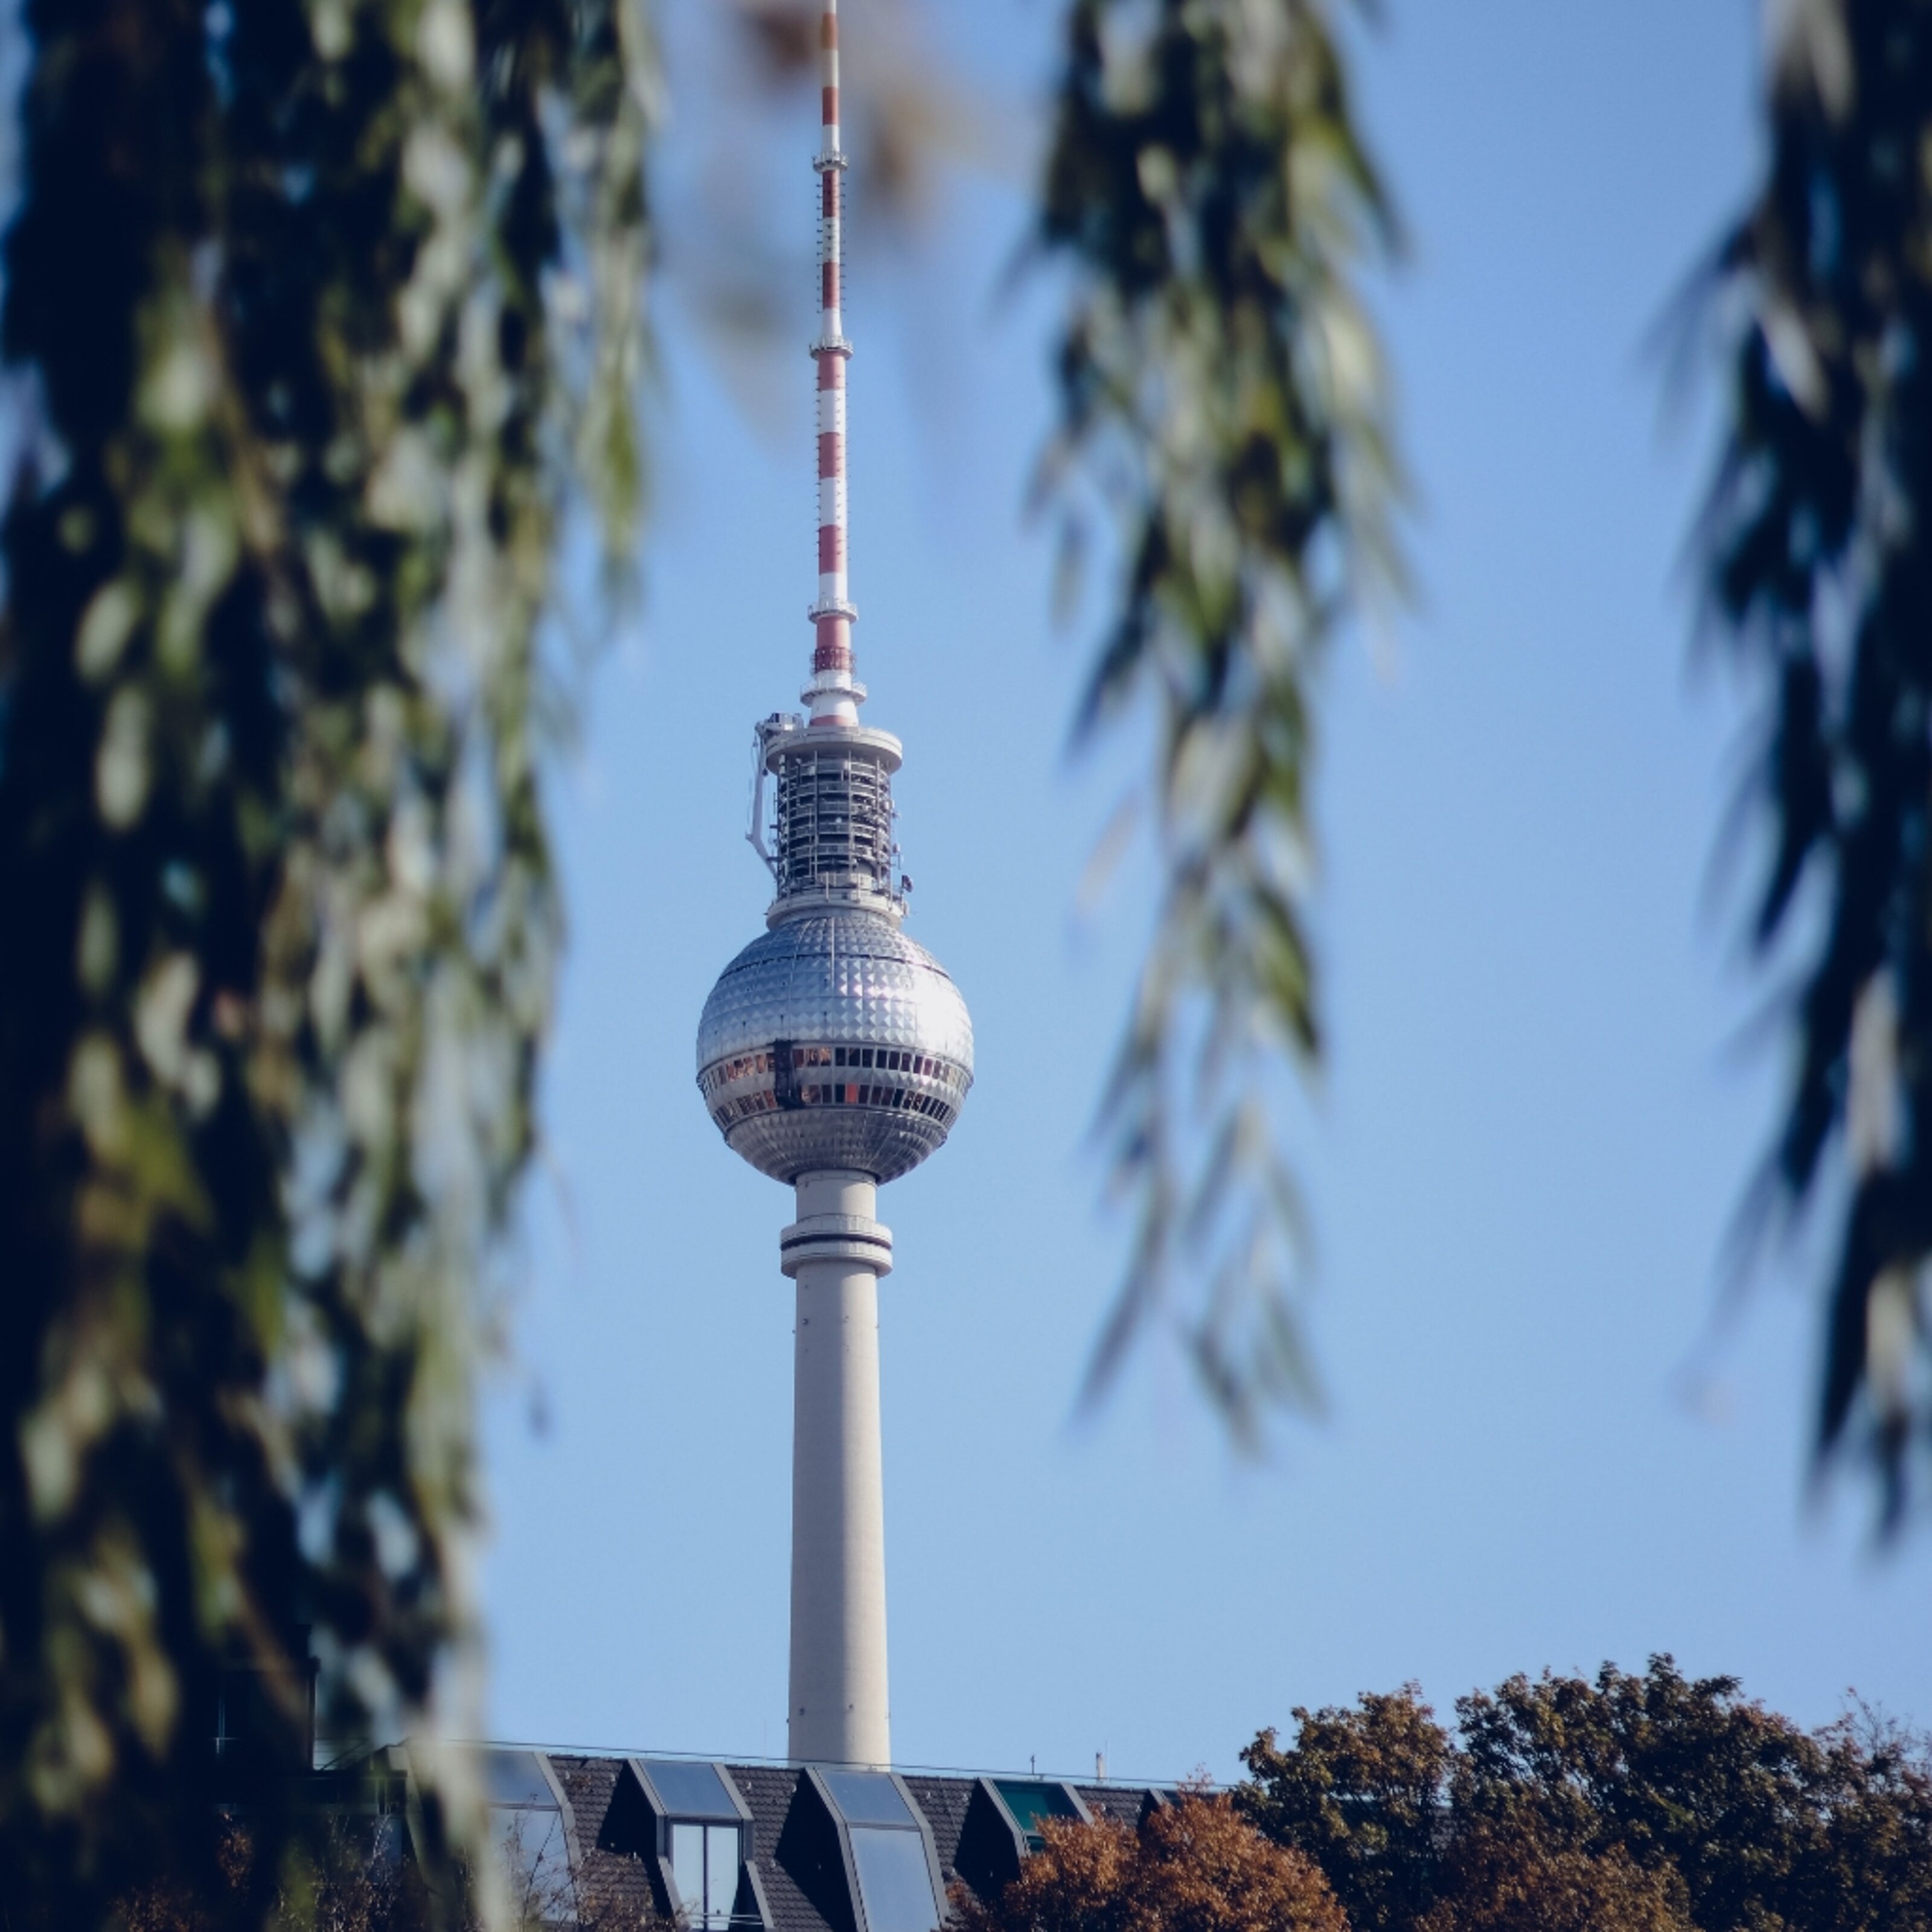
[345, 1869]
[734, 223]
[335, 1878]
[315, 312]
[1647, 1802]
[1821, 578]
[903, 112]
[1194, 1866]
[1222, 405]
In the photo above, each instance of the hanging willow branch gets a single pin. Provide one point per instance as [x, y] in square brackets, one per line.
[318, 312]
[1221, 396]
[1820, 574]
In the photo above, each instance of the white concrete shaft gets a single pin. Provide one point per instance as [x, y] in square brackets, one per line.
[838, 1711]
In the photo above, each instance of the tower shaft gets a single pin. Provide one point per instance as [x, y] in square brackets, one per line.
[837, 1709]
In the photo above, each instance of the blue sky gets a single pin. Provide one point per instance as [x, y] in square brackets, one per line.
[1534, 1126]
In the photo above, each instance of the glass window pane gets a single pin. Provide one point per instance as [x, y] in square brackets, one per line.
[536, 1863]
[514, 1778]
[687, 1867]
[894, 1881]
[867, 1798]
[690, 1790]
[1030, 1803]
[721, 1873]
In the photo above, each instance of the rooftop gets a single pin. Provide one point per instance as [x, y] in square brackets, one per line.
[604, 1841]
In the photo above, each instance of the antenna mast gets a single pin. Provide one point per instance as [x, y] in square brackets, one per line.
[833, 694]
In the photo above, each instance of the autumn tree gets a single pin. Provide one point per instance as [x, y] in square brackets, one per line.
[1361, 1792]
[1761, 1820]
[1512, 1880]
[345, 1875]
[1193, 1866]
[351, 1871]
[1665, 1799]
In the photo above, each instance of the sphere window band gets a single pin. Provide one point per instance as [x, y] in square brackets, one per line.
[882, 1059]
[887, 1099]
[777, 1068]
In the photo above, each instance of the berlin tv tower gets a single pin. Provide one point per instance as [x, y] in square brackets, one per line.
[834, 1053]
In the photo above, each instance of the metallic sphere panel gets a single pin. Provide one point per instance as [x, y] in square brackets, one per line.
[834, 1041]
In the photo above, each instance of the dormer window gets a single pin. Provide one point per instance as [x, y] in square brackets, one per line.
[703, 1825]
[1003, 1827]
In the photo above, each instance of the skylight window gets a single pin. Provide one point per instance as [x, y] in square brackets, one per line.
[515, 1779]
[1031, 1802]
[898, 1889]
[690, 1790]
[869, 1798]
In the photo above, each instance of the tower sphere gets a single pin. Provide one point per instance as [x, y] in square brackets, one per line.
[834, 1041]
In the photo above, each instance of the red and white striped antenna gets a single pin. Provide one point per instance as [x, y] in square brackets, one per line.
[833, 693]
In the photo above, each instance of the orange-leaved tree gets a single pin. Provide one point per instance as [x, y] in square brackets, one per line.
[1196, 1866]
